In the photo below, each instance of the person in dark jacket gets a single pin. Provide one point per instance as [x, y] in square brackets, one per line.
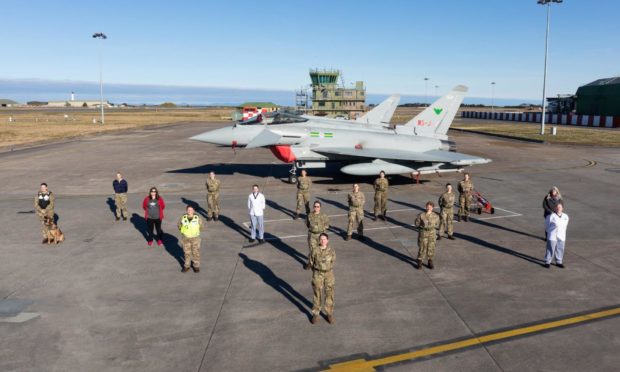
[154, 206]
[550, 203]
[120, 196]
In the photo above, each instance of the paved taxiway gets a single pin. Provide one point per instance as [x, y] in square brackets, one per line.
[103, 300]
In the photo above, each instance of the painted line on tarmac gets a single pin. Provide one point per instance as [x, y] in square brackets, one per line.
[462, 344]
[512, 214]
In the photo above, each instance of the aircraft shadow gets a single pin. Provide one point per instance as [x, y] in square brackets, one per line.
[498, 248]
[275, 282]
[257, 170]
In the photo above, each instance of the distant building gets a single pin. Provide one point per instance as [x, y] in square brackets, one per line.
[330, 98]
[78, 103]
[7, 103]
[251, 109]
[600, 97]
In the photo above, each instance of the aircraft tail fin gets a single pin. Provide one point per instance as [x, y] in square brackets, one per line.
[436, 119]
[382, 114]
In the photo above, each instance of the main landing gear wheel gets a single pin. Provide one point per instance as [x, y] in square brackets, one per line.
[292, 178]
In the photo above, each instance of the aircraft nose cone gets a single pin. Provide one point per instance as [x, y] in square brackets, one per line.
[222, 136]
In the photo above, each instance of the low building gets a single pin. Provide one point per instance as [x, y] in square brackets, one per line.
[251, 109]
[600, 97]
[78, 103]
[7, 103]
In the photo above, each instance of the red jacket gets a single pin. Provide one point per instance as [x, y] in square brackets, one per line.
[162, 205]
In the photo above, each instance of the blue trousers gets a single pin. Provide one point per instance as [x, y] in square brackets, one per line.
[554, 248]
[257, 224]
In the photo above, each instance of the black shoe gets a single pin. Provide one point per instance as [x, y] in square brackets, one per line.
[374, 218]
[430, 264]
[347, 238]
[315, 318]
[307, 266]
[383, 217]
[458, 218]
[547, 266]
[439, 237]
[196, 269]
[418, 264]
[261, 241]
[209, 218]
[118, 218]
[124, 218]
[252, 240]
[185, 269]
[216, 218]
[296, 216]
[450, 237]
[561, 266]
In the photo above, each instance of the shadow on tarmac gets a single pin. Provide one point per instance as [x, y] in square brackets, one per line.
[139, 223]
[171, 242]
[278, 284]
[390, 252]
[492, 225]
[257, 170]
[280, 208]
[285, 248]
[225, 220]
[498, 248]
[112, 205]
[405, 204]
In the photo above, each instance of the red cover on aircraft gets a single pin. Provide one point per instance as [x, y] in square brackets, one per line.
[283, 152]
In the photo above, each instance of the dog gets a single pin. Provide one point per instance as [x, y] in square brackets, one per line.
[54, 234]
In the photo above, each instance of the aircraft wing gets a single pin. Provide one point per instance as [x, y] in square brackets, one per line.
[435, 156]
[382, 114]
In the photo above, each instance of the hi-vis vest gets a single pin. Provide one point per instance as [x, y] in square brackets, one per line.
[190, 229]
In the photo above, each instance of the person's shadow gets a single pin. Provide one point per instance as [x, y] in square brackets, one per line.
[489, 224]
[200, 210]
[280, 208]
[112, 205]
[405, 204]
[391, 252]
[495, 247]
[278, 284]
[172, 246]
[139, 223]
[285, 248]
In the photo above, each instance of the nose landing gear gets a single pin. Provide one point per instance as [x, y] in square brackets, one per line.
[292, 178]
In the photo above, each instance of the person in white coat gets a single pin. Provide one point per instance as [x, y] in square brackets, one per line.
[256, 208]
[556, 224]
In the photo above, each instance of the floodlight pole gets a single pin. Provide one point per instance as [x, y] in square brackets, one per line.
[426, 91]
[544, 97]
[101, 36]
[492, 100]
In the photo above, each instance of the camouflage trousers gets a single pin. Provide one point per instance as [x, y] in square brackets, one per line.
[41, 213]
[213, 204]
[446, 224]
[191, 251]
[323, 280]
[303, 200]
[356, 216]
[426, 244]
[120, 200]
[464, 204]
[313, 243]
[380, 203]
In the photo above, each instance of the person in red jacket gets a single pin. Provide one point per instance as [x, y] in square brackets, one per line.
[153, 206]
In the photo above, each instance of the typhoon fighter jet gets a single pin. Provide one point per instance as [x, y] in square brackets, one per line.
[364, 146]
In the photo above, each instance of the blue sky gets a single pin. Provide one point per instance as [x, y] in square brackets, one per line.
[391, 45]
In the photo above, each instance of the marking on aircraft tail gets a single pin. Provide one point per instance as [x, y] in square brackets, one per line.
[438, 110]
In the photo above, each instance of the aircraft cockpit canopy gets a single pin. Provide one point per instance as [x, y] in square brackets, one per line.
[283, 118]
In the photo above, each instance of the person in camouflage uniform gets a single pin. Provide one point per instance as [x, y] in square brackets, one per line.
[318, 223]
[303, 193]
[465, 189]
[381, 187]
[446, 203]
[44, 207]
[427, 224]
[356, 200]
[190, 225]
[323, 260]
[213, 197]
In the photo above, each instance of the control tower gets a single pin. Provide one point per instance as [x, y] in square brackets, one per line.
[331, 98]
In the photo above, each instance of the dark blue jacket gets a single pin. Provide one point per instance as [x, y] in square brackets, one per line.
[120, 187]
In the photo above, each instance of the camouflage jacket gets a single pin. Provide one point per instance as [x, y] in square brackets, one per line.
[317, 222]
[213, 185]
[303, 183]
[381, 185]
[466, 187]
[356, 200]
[323, 259]
[446, 200]
[427, 222]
